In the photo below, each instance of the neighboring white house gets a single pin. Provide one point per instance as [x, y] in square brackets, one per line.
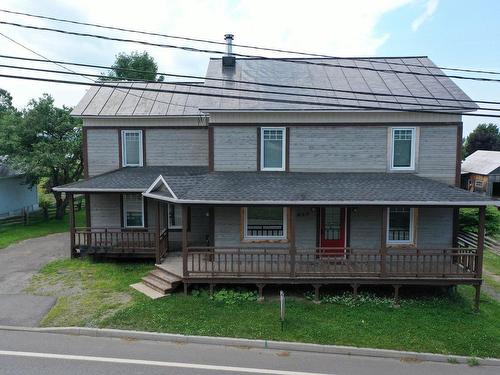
[481, 173]
[15, 194]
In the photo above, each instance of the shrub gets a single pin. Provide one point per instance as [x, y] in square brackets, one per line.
[231, 297]
[469, 218]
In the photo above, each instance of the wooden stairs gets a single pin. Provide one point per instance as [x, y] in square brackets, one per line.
[158, 283]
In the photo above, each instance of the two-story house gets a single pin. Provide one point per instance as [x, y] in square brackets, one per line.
[279, 171]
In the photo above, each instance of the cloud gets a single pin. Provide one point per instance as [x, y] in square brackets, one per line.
[342, 28]
[430, 9]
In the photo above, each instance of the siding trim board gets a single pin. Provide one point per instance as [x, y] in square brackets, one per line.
[333, 124]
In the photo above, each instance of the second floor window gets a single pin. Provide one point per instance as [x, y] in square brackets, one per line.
[272, 149]
[403, 149]
[131, 148]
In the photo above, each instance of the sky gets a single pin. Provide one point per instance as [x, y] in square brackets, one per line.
[453, 33]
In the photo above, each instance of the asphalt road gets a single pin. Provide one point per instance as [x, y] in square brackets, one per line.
[45, 353]
[18, 264]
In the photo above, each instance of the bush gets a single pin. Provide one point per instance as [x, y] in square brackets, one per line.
[232, 297]
[469, 218]
[349, 300]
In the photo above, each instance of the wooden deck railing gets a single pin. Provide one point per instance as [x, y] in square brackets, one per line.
[330, 262]
[115, 241]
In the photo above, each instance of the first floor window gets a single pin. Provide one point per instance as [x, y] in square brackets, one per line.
[133, 211]
[265, 223]
[132, 148]
[400, 225]
[273, 149]
[174, 216]
[478, 183]
[403, 148]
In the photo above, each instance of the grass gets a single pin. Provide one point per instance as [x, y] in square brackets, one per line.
[492, 266]
[97, 294]
[12, 234]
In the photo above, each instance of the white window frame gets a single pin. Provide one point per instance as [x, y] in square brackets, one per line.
[170, 226]
[412, 229]
[413, 149]
[478, 184]
[283, 149]
[257, 238]
[124, 148]
[124, 210]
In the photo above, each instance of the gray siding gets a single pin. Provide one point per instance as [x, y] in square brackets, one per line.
[235, 148]
[176, 147]
[437, 153]
[435, 227]
[305, 224]
[102, 151]
[338, 149]
[105, 210]
[366, 227]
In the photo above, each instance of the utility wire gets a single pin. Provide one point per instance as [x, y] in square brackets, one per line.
[250, 98]
[191, 39]
[274, 85]
[206, 86]
[62, 65]
[288, 60]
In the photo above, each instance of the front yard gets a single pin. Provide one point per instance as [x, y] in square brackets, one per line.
[15, 233]
[97, 294]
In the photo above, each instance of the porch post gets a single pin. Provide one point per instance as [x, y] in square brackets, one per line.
[184, 240]
[383, 242]
[480, 251]
[72, 224]
[157, 233]
[291, 238]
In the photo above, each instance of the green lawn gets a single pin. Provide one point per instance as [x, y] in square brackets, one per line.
[492, 266]
[16, 233]
[97, 294]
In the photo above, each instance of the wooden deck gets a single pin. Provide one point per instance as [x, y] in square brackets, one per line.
[245, 265]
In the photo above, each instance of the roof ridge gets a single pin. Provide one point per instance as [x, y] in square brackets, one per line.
[328, 58]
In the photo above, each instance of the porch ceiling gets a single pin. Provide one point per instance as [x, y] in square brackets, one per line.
[301, 188]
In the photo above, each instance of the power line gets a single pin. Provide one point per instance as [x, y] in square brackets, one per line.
[62, 65]
[191, 39]
[250, 98]
[274, 85]
[205, 86]
[193, 49]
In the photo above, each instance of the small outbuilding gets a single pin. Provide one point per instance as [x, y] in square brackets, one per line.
[481, 173]
[15, 195]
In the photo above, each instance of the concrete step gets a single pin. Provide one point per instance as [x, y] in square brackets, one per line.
[157, 284]
[165, 277]
[150, 292]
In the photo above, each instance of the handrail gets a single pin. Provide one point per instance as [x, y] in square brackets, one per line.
[271, 261]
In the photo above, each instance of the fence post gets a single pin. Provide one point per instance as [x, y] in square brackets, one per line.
[157, 234]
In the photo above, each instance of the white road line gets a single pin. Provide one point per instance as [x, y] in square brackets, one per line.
[154, 363]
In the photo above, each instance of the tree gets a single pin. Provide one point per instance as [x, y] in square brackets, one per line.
[484, 137]
[5, 101]
[44, 141]
[134, 61]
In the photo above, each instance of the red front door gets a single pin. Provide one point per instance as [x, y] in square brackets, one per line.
[332, 230]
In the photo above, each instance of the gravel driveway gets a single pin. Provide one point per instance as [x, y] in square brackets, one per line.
[18, 263]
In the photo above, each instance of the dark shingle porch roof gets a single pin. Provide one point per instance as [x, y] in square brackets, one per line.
[290, 188]
[129, 179]
[196, 185]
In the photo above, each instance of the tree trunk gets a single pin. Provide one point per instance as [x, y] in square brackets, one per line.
[61, 205]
